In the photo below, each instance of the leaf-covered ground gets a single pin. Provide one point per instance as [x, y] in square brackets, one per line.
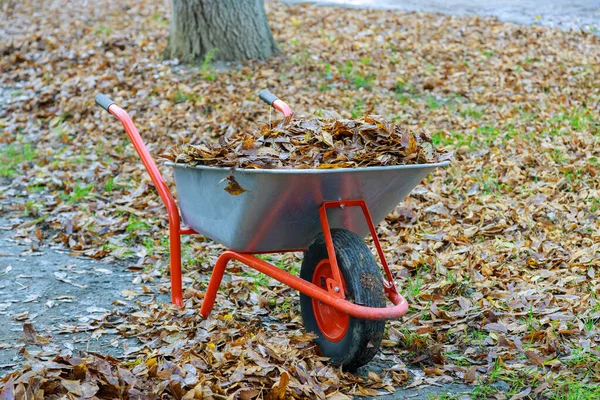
[498, 254]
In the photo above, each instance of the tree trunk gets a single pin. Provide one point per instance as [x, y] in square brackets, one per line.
[228, 29]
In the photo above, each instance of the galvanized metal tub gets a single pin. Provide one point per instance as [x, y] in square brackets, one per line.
[280, 208]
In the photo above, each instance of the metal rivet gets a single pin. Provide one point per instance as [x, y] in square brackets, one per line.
[336, 289]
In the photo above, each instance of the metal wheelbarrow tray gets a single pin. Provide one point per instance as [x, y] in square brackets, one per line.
[324, 213]
[279, 209]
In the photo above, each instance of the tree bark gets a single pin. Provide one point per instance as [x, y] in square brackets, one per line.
[229, 29]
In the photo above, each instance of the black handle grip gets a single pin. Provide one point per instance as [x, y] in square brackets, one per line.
[267, 97]
[104, 101]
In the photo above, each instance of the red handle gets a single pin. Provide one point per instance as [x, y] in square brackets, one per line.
[275, 102]
[163, 190]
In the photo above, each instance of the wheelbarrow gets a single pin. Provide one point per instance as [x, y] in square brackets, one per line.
[323, 213]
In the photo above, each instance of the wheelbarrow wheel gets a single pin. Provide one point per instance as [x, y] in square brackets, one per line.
[347, 341]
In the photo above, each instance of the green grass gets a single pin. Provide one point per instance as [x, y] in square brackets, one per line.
[149, 245]
[113, 248]
[259, 279]
[411, 339]
[32, 208]
[490, 182]
[191, 259]
[102, 29]
[564, 386]
[134, 224]
[516, 379]
[488, 134]
[326, 76]
[582, 357]
[444, 396]
[405, 88]
[557, 156]
[284, 306]
[158, 17]
[454, 138]
[413, 286]
[531, 322]
[291, 267]
[300, 57]
[457, 358]
[111, 185]
[61, 119]
[579, 120]
[356, 77]
[182, 97]
[575, 390]
[13, 155]
[471, 112]
[37, 188]
[206, 70]
[573, 175]
[78, 193]
[475, 336]
[433, 103]
[357, 109]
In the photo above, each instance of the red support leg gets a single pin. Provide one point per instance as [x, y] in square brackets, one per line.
[308, 288]
[336, 282]
[175, 264]
[389, 285]
[215, 282]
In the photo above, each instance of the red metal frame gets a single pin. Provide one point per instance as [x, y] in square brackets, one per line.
[389, 285]
[175, 229]
[333, 296]
[399, 309]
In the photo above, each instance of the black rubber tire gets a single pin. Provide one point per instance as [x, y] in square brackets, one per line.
[364, 286]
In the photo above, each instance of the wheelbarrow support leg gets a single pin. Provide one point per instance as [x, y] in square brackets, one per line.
[175, 264]
[388, 285]
[308, 288]
[213, 285]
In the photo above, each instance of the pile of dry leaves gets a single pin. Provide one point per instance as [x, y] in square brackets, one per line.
[498, 254]
[324, 141]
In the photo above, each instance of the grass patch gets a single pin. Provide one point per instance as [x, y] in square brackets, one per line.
[102, 29]
[33, 208]
[111, 185]
[158, 17]
[453, 139]
[12, 156]
[471, 112]
[78, 193]
[356, 76]
[575, 390]
[457, 358]
[358, 109]
[182, 97]
[134, 224]
[206, 70]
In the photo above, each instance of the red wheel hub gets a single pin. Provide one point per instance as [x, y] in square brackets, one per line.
[332, 323]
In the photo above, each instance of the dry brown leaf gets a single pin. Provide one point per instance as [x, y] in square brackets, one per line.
[534, 358]
[233, 187]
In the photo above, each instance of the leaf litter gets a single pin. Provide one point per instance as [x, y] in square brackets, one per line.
[325, 141]
[498, 254]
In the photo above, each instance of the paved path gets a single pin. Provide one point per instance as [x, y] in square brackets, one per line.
[64, 299]
[563, 14]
